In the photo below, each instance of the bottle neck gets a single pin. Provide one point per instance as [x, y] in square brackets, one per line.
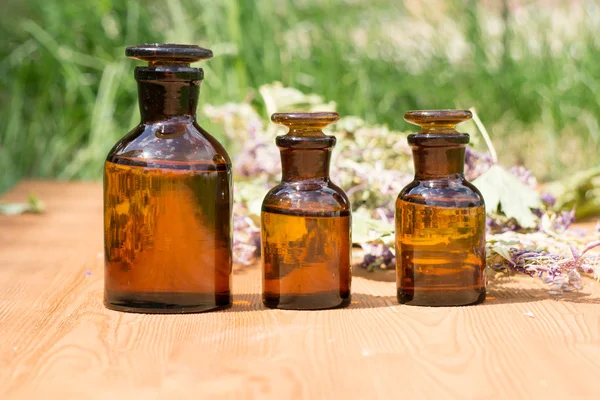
[161, 100]
[305, 164]
[439, 162]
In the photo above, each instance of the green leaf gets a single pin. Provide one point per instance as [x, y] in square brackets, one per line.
[502, 189]
[502, 251]
[13, 208]
[366, 229]
[33, 205]
[251, 194]
[580, 191]
[279, 98]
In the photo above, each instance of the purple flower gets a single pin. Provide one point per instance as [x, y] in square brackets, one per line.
[377, 256]
[548, 199]
[476, 163]
[564, 220]
[524, 175]
[246, 239]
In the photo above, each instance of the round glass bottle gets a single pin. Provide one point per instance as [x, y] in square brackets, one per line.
[167, 196]
[440, 218]
[306, 222]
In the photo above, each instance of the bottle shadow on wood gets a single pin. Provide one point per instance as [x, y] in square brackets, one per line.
[244, 302]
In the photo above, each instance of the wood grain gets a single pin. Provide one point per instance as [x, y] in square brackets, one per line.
[57, 341]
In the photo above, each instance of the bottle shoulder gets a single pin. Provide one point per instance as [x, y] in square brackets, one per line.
[309, 196]
[442, 193]
[171, 142]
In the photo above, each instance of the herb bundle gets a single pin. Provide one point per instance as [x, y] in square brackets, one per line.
[528, 231]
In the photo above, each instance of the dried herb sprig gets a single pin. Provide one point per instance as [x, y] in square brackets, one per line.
[560, 270]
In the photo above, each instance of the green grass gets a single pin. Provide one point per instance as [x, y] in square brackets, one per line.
[67, 92]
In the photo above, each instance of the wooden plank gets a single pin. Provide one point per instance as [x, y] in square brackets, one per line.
[57, 341]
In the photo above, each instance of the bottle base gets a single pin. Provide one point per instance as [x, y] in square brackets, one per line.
[165, 302]
[441, 298]
[316, 301]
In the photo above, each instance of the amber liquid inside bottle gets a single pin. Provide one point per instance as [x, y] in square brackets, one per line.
[440, 255]
[306, 259]
[440, 219]
[168, 231]
[305, 222]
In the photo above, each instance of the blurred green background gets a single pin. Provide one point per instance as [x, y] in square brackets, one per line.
[530, 68]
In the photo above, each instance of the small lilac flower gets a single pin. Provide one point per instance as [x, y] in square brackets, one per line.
[548, 199]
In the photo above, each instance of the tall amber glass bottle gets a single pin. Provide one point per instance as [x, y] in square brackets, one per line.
[167, 196]
[440, 218]
[305, 222]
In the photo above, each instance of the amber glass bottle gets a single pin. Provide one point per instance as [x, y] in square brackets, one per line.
[305, 222]
[440, 218]
[167, 196]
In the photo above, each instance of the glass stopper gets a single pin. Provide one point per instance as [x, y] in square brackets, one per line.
[168, 53]
[437, 121]
[305, 123]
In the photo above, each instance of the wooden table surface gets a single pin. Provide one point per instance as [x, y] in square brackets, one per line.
[57, 341]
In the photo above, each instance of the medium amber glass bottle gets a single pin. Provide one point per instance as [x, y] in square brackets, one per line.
[305, 222]
[167, 196]
[440, 218]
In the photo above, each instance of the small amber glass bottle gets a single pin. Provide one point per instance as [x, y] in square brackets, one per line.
[440, 218]
[305, 222]
[167, 196]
